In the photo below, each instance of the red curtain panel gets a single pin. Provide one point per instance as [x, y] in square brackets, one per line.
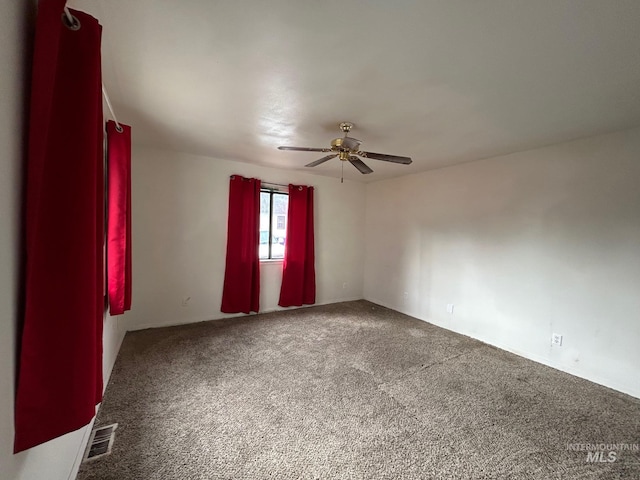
[241, 292]
[298, 273]
[60, 366]
[119, 217]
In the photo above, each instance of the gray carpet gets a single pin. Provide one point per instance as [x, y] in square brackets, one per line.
[350, 391]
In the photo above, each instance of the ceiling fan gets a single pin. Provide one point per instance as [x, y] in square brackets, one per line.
[348, 150]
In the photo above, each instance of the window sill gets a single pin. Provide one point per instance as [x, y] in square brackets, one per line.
[271, 260]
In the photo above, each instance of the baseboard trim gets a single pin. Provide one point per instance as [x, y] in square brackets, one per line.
[83, 446]
[223, 316]
[622, 388]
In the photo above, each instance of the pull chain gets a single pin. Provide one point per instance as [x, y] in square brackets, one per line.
[342, 173]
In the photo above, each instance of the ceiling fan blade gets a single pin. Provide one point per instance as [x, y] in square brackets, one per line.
[321, 160]
[386, 158]
[360, 165]
[305, 149]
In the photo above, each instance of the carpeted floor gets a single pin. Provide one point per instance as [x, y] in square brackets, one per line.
[350, 391]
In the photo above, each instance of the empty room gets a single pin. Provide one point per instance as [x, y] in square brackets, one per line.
[319, 240]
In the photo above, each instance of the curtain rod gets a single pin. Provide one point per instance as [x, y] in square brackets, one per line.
[273, 184]
[266, 183]
[113, 114]
[279, 185]
[67, 13]
[74, 22]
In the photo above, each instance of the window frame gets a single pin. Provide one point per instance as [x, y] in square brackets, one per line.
[273, 191]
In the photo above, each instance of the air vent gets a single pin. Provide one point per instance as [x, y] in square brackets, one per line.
[100, 442]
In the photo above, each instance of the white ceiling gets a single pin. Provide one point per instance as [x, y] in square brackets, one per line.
[443, 82]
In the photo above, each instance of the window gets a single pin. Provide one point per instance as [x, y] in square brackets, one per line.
[273, 223]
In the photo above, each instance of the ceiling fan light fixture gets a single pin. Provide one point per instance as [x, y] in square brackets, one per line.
[351, 143]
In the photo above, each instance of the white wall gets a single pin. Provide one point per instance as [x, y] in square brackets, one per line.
[180, 206]
[522, 245]
[55, 460]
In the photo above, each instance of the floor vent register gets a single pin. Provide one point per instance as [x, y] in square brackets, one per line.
[100, 442]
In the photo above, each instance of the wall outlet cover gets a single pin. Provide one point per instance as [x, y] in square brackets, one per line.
[556, 339]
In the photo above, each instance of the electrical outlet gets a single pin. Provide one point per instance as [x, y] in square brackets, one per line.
[406, 295]
[556, 339]
[344, 285]
[449, 307]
